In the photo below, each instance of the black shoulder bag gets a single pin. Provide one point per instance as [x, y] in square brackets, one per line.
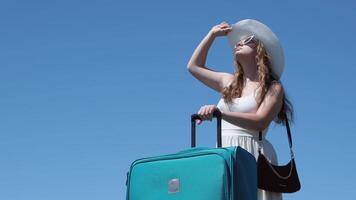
[282, 179]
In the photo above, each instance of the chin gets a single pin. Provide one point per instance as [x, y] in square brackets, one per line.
[243, 53]
[240, 54]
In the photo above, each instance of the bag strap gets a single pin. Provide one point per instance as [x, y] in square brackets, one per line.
[289, 138]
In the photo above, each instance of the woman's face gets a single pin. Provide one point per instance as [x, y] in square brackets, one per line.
[243, 48]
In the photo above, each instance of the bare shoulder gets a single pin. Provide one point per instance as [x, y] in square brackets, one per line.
[276, 89]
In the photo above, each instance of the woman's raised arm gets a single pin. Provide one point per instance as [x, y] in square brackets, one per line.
[196, 64]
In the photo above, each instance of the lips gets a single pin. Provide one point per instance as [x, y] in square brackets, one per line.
[237, 49]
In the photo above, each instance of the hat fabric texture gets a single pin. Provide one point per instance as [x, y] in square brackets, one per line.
[264, 34]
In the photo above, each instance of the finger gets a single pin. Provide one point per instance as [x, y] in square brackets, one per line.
[224, 25]
[199, 121]
[207, 110]
[203, 112]
[206, 113]
[210, 114]
[227, 29]
[200, 111]
[202, 117]
[211, 110]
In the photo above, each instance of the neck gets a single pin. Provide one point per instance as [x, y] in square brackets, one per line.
[250, 69]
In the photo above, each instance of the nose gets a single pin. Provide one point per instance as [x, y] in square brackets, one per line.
[238, 44]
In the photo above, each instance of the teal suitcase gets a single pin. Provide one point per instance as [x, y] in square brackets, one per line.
[198, 173]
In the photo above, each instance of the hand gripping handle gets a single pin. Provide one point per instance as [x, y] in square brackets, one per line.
[194, 117]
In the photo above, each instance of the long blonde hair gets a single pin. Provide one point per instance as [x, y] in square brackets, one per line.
[265, 78]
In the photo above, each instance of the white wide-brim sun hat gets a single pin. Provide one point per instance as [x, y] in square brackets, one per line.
[264, 34]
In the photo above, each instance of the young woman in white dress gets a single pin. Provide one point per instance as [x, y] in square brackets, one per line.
[253, 96]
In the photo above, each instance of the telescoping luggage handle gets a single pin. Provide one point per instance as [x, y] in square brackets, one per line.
[194, 117]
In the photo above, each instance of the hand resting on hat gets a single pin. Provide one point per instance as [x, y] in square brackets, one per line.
[221, 29]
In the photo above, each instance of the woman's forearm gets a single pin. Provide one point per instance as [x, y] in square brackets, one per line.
[200, 53]
[245, 120]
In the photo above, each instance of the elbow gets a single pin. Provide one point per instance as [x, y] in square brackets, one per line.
[190, 67]
[190, 64]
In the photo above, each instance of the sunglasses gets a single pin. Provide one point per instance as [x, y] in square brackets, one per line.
[246, 40]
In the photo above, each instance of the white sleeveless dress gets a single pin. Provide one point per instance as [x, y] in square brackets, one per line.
[233, 135]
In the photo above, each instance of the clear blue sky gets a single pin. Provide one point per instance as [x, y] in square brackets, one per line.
[87, 87]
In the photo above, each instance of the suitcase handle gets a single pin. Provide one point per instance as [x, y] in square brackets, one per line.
[194, 117]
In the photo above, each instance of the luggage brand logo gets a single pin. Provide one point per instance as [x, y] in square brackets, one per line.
[173, 186]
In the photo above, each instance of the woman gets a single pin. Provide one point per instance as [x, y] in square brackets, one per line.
[251, 97]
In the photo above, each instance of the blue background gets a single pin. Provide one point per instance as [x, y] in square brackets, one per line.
[87, 87]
